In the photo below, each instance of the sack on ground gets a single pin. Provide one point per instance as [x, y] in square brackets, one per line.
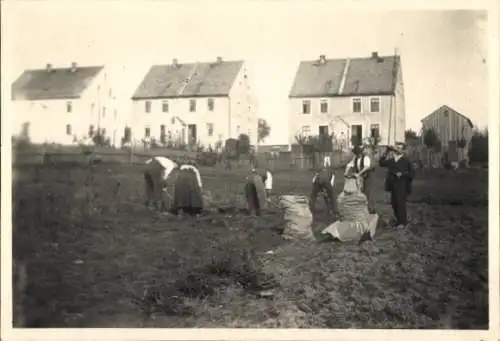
[352, 231]
[297, 216]
[355, 219]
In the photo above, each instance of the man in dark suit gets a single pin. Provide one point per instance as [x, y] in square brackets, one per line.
[400, 174]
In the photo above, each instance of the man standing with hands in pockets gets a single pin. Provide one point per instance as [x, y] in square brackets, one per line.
[400, 174]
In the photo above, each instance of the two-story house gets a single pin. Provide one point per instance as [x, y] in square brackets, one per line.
[64, 105]
[195, 103]
[353, 98]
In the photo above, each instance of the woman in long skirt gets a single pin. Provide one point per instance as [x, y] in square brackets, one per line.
[258, 187]
[188, 195]
[156, 172]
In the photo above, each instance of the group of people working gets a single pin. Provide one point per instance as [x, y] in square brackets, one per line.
[160, 173]
[187, 196]
[400, 173]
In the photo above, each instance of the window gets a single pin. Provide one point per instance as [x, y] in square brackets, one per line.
[163, 134]
[375, 130]
[103, 131]
[192, 105]
[210, 129]
[25, 129]
[172, 120]
[103, 111]
[164, 106]
[68, 129]
[127, 134]
[91, 130]
[306, 130]
[375, 104]
[92, 106]
[324, 106]
[147, 132]
[147, 106]
[110, 93]
[323, 130]
[69, 107]
[356, 105]
[306, 107]
[210, 103]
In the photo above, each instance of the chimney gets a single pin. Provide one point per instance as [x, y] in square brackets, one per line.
[73, 67]
[49, 67]
[219, 60]
[322, 59]
[375, 55]
[175, 62]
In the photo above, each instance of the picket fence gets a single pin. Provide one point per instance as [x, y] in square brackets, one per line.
[46, 155]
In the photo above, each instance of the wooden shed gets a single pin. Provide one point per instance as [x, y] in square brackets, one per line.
[451, 128]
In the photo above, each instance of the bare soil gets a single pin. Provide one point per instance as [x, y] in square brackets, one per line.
[96, 257]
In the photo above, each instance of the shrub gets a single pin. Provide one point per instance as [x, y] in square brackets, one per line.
[478, 150]
[243, 144]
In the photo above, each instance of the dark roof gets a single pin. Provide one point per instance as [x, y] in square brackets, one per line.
[189, 80]
[365, 76]
[444, 108]
[58, 83]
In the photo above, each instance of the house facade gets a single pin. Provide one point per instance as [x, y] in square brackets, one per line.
[65, 105]
[450, 127]
[194, 103]
[352, 99]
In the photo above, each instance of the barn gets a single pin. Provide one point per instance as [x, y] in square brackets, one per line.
[454, 131]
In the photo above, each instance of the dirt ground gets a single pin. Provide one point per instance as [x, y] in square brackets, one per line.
[96, 257]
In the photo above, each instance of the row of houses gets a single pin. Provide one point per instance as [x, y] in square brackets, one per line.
[207, 102]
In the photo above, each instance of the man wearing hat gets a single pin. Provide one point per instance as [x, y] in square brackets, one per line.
[323, 182]
[400, 174]
[363, 167]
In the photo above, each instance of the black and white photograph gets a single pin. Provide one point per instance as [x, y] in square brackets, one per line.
[263, 165]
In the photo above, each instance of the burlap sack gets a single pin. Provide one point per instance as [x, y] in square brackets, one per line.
[297, 217]
[355, 220]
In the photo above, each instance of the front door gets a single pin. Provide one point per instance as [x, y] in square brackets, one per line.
[192, 136]
[323, 130]
[356, 134]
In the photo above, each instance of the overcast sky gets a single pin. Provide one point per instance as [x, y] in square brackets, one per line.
[443, 52]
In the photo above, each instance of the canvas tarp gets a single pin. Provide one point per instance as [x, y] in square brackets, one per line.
[297, 216]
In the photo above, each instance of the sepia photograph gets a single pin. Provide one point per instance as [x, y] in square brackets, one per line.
[247, 165]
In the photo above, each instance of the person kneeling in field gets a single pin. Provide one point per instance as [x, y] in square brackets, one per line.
[323, 182]
[188, 193]
[156, 172]
[258, 188]
[355, 220]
